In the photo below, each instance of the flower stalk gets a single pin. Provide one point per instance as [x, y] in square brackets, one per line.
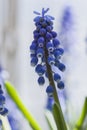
[50, 77]
[55, 96]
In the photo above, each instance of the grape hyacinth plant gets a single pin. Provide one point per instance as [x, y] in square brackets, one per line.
[45, 54]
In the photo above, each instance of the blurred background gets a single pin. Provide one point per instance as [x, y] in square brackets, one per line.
[16, 35]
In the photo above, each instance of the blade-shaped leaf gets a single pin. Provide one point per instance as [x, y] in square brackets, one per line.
[50, 120]
[15, 97]
[58, 117]
[83, 115]
[5, 122]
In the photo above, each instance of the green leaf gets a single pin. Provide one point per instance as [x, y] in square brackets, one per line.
[58, 117]
[5, 123]
[50, 120]
[15, 97]
[82, 117]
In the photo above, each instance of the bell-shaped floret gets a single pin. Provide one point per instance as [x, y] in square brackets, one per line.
[42, 31]
[60, 85]
[57, 77]
[33, 47]
[41, 42]
[49, 90]
[4, 112]
[40, 69]
[56, 43]
[49, 36]
[41, 80]
[40, 52]
[49, 28]
[61, 66]
[49, 47]
[51, 60]
[54, 34]
[34, 61]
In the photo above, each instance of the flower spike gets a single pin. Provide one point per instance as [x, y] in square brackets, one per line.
[45, 49]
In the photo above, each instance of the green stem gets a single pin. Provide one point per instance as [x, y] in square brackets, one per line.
[55, 94]
[15, 97]
[82, 116]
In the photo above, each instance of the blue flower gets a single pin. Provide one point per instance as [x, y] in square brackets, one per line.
[57, 77]
[40, 52]
[54, 34]
[41, 80]
[3, 110]
[67, 19]
[57, 54]
[56, 43]
[33, 47]
[46, 48]
[2, 98]
[40, 69]
[14, 115]
[49, 36]
[42, 31]
[49, 90]
[0, 124]
[49, 28]
[67, 29]
[34, 60]
[60, 85]
[40, 40]
[61, 66]
[50, 47]
[49, 104]
[51, 60]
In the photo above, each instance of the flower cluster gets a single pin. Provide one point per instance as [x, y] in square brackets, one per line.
[3, 110]
[67, 32]
[14, 115]
[67, 19]
[46, 51]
